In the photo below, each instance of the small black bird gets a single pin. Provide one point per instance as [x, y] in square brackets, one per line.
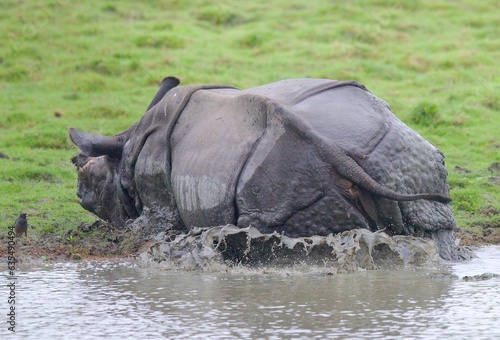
[21, 225]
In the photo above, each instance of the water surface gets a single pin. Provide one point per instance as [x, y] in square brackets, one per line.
[127, 301]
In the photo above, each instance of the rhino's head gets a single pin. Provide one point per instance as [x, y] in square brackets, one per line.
[105, 183]
[99, 187]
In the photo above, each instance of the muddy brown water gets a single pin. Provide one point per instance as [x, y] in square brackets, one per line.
[129, 301]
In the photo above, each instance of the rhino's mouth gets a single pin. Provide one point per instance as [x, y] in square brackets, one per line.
[92, 174]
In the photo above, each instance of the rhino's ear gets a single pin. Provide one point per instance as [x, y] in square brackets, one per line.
[79, 160]
[166, 85]
[94, 145]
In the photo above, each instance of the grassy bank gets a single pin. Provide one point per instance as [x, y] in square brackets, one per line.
[95, 65]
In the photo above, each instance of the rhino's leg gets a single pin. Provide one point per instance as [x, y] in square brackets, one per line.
[286, 187]
[431, 219]
[445, 241]
[389, 217]
[319, 214]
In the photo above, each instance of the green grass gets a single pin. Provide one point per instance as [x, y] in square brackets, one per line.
[98, 63]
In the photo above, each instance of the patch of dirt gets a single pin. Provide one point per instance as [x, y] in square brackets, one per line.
[91, 242]
[479, 235]
[461, 170]
[494, 167]
[495, 180]
[489, 211]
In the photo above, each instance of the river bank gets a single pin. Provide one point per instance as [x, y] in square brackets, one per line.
[101, 241]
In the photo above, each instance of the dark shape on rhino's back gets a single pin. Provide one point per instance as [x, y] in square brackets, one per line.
[300, 156]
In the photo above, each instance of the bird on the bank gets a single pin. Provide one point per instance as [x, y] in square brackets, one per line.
[21, 225]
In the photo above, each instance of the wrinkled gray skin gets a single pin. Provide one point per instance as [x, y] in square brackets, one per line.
[301, 157]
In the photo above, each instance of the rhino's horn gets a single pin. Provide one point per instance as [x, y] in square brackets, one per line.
[166, 85]
[95, 145]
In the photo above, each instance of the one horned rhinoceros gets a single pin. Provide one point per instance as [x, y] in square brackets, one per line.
[301, 157]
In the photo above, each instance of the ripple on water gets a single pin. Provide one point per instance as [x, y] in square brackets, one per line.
[110, 300]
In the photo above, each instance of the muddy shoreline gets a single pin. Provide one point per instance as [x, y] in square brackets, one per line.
[100, 241]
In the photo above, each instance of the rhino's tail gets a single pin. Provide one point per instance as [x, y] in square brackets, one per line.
[339, 160]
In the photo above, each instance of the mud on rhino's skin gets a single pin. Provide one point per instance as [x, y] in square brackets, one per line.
[300, 157]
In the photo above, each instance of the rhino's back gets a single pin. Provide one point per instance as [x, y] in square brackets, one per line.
[210, 143]
[349, 116]
[342, 112]
[219, 130]
[392, 154]
[225, 140]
